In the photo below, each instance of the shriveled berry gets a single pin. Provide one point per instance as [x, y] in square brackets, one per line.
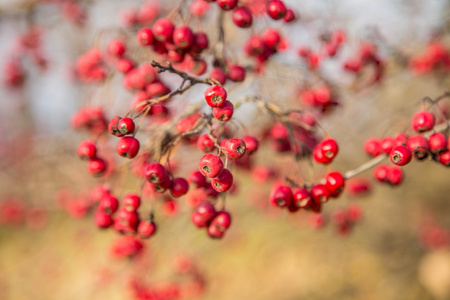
[155, 173]
[215, 96]
[225, 112]
[210, 165]
[319, 193]
[179, 187]
[276, 9]
[223, 181]
[131, 202]
[128, 147]
[96, 166]
[204, 143]
[87, 150]
[242, 17]
[400, 155]
[423, 121]
[281, 196]
[302, 198]
[126, 126]
[419, 146]
[335, 183]
[251, 144]
[113, 126]
[234, 148]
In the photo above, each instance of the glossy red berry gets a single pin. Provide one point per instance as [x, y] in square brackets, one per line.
[302, 198]
[335, 183]
[179, 187]
[215, 96]
[129, 219]
[109, 204]
[222, 221]
[116, 48]
[103, 220]
[196, 178]
[423, 121]
[394, 175]
[276, 9]
[381, 173]
[204, 143]
[234, 148]
[214, 232]
[437, 142]
[401, 139]
[372, 146]
[289, 16]
[128, 147]
[131, 202]
[227, 4]
[400, 155]
[146, 229]
[242, 17]
[271, 38]
[419, 146]
[163, 30]
[124, 65]
[236, 73]
[96, 166]
[223, 181]
[444, 158]
[325, 151]
[224, 113]
[87, 150]
[251, 144]
[281, 196]
[126, 126]
[161, 186]
[387, 144]
[145, 37]
[319, 193]
[155, 173]
[183, 37]
[219, 75]
[210, 165]
[204, 212]
[201, 42]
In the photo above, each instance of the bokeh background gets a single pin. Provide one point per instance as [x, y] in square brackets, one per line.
[398, 250]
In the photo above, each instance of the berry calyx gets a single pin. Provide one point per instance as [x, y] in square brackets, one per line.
[319, 193]
[281, 196]
[302, 198]
[131, 202]
[126, 126]
[155, 173]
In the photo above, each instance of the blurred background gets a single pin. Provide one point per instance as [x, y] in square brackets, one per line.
[396, 248]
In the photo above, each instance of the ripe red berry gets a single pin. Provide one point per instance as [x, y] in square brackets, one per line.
[372, 147]
[401, 139]
[210, 165]
[124, 65]
[276, 9]
[131, 202]
[87, 150]
[325, 151]
[215, 96]
[196, 66]
[251, 144]
[419, 146]
[234, 148]
[444, 158]
[205, 212]
[289, 16]
[103, 220]
[116, 48]
[227, 4]
[183, 37]
[214, 232]
[162, 186]
[129, 219]
[109, 204]
[128, 147]
[222, 221]
[219, 75]
[197, 179]
[423, 121]
[335, 183]
[146, 229]
[400, 155]
[394, 175]
[381, 173]
[302, 198]
[99, 192]
[223, 181]
[242, 17]
[236, 73]
[201, 42]
[113, 127]
[281, 196]
[437, 142]
[126, 126]
[96, 166]
[387, 144]
[224, 113]
[163, 30]
[155, 173]
[179, 187]
[271, 38]
[204, 143]
[319, 193]
[145, 37]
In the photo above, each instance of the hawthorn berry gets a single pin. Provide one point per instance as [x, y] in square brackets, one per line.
[183, 37]
[155, 173]
[335, 183]
[401, 139]
[271, 38]
[96, 166]
[225, 112]
[381, 173]
[126, 126]
[163, 30]
[131, 202]
[146, 229]
[227, 4]
[320, 193]
[197, 179]
[87, 150]
[276, 9]
[129, 219]
[419, 146]
[423, 121]
[289, 16]
[214, 232]
[179, 187]
[215, 96]
[124, 65]
[219, 75]
[325, 151]
[242, 17]
[205, 212]
[301, 197]
[387, 144]
[251, 144]
[437, 142]
[372, 147]
[145, 37]
[161, 186]
[236, 73]
[210, 165]
[103, 220]
[204, 143]
[116, 48]
[128, 147]
[281, 196]
[109, 204]
[234, 148]
[223, 181]
[400, 155]
[394, 175]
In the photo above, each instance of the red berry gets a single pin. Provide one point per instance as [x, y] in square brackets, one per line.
[381, 173]
[210, 165]
[201, 42]
[289, 16]
[335, 183]
[281, 196]
[251, 144]
[124, 65]
[236, 73]
[234, 148]
[271, 38]
[400, 155]
[225, 112]
[372, 147]
[215, 96]
[204, 143]
[325, 151]
[131, 202]
[387, 144]
[319, 193]
[219, 75]
[223, 181]
[126, 126]
[129, 219]
[155, 173]
[183, 37]
[116, 48]
[423, 121]
[437, 142]
[87, 150]
[242, 17]
[419, 146]
[401, 139]
[197, 179]
[214, 232]
[162, 186]
[146, 229]
[222, 221]
[196, 66]
[179, 187]
[109, 204]
[96, 166]
[103, 220]
[128, 147]
[145, 37]
[276, 9]
[444, 158]
[394, 175]
[99, 192]
[302, 198]
[113, 127]
[206, 211]
[163, 30]
[227, 4]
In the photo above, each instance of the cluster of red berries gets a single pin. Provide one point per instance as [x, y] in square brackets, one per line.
[87, 150]
[91, 119]
[320, 97]
[367, 55]
[90, 67]
[346, 218]
[73, 11]
[264, 46]
[435, 57]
